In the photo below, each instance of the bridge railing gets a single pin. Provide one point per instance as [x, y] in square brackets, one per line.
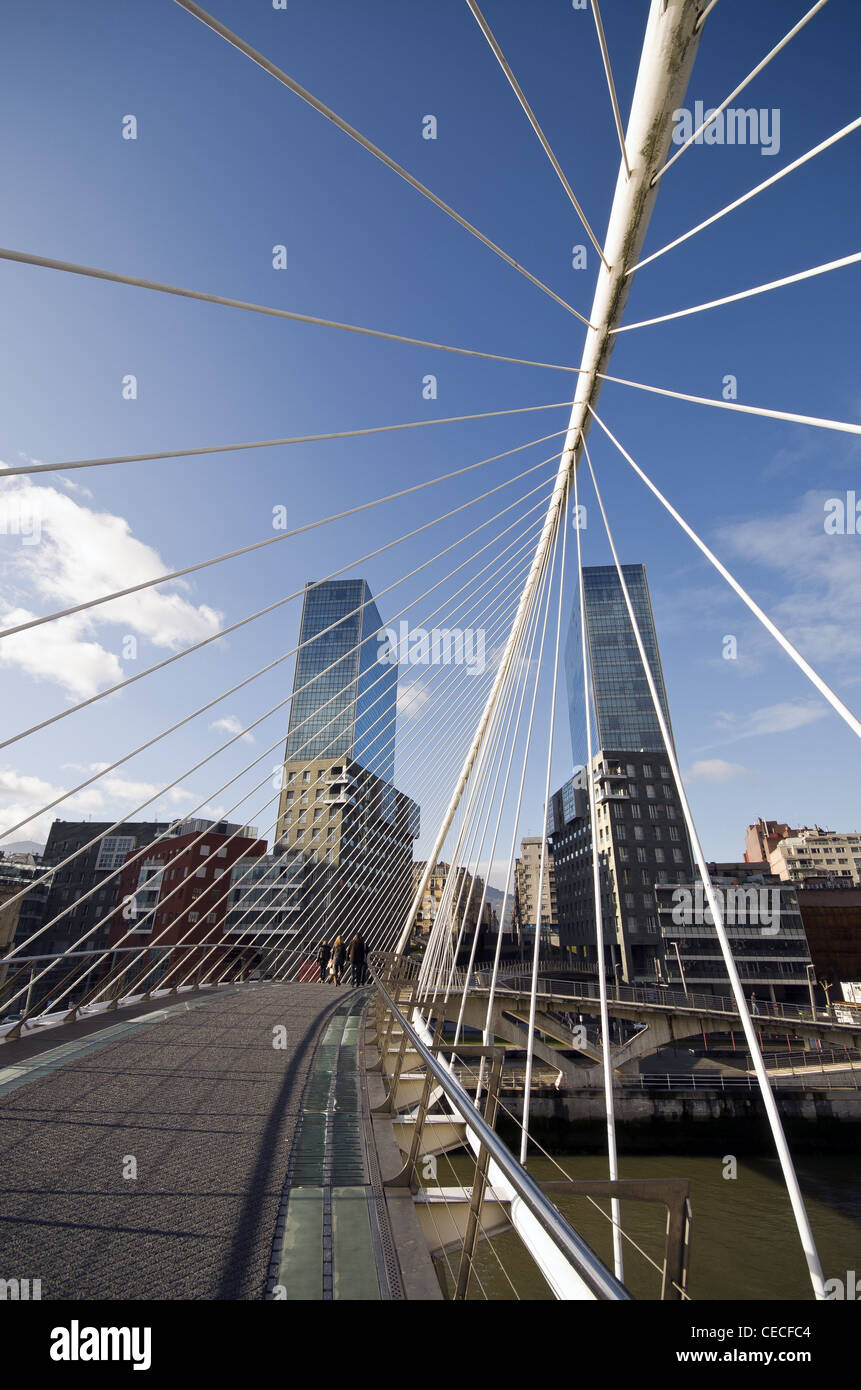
[716, 1082]
[395, 979]
[762, 1011]
[52, 988]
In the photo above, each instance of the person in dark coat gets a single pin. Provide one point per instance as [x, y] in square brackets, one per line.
[339, 956]
[323, 955]
[357, 958]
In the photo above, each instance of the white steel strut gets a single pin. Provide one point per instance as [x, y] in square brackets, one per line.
[669, 48]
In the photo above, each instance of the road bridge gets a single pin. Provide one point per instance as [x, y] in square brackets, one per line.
[665, 1017]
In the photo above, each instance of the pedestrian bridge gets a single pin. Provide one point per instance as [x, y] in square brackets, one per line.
[272, 1140]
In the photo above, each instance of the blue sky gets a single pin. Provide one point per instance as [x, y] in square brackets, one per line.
[228, 164]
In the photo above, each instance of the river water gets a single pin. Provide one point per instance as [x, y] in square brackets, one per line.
[744, 1242]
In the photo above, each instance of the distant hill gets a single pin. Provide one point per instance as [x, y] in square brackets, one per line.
[22, 847]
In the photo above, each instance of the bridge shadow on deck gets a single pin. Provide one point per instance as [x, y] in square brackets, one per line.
[198, 1219]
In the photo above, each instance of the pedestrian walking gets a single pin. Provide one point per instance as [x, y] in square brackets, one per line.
[754, 1007]
[339, 956]
[323, 955]
[357, 958]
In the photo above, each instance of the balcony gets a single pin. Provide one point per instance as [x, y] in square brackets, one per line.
[602, 797]
[610, 772]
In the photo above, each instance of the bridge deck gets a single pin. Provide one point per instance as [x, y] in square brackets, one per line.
[207, 1107]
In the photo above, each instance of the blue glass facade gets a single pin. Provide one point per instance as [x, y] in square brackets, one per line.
[349, 710]
[623, 705]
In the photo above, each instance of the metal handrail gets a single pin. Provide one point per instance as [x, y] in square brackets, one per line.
[694, 1002]
[594, 1273]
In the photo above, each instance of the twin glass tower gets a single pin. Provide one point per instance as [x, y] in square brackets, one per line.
[624, 712]
[344, 700]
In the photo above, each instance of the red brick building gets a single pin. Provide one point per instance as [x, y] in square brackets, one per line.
[179, 892]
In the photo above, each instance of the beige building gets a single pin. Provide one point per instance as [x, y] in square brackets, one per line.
[805, 854]
[817, 854]
[353, 834]
[527, 871]
[468, 890]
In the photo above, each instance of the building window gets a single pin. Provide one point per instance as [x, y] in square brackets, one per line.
[659, 856]
[636, 812]
[678, 857]
[641, 856]
[113, 850]
[204, 850]
[638, 832]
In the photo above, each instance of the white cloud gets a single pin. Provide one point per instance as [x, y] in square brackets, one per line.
[716, 770]
[820, 575]
[780, 718]
[22, 796]
[59, 652]
[58, 553]
[411, 700]
[231, 725]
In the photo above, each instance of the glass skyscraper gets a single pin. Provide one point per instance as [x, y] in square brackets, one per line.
[348, 706]
[624, 710]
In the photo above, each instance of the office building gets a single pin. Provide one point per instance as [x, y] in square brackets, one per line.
[642, 842]
[642, 839]
[832, 924]
[262, 921]
[344, 698]
[763, 924]
[340, 814]
[624, 710]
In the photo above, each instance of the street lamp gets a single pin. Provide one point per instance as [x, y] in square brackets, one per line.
[811, 978]
[675, 946]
